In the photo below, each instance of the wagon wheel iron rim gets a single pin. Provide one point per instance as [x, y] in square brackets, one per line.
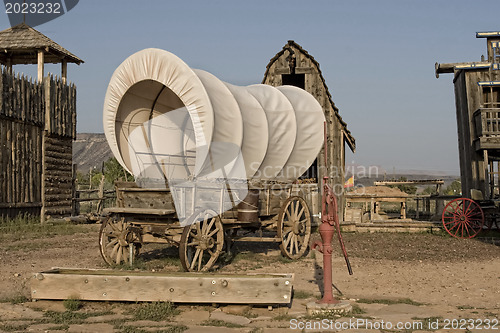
[463, 218]
[201, 242]
[115, 238]
[294, 227]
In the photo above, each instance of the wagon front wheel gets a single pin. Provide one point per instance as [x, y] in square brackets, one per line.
[463, 218]
[294, 227]
[115, 239]
[201, 242]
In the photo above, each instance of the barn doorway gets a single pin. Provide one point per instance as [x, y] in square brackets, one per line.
[297, 80]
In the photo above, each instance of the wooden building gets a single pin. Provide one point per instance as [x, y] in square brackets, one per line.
[477, 99]
[295, 66]
[37, 127]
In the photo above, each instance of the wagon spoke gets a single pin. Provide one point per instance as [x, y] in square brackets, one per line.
[197, 253]
[115, 249]
[475, 214]
[213, 232]
[210, 225]
[287, 213]
[291, 242]
[288, 238]
[296, 209]
[119, 255]
[301, 212]
[467, 210]
[200, 257]
[112, 243]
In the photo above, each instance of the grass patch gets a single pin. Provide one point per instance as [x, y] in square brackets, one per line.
[29, 227]
[70, 317]
[15, 300]
[257, 330]
[58, 328]
[156, 311]
[285, 260]
[241, 256]
[220, 323]
[14, 328]
[357, 310]
[302, 294]
[390, 301]
[465, 307]
[72, 304]
[66, 318]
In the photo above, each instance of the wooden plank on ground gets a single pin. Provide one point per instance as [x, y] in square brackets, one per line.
[110, 285]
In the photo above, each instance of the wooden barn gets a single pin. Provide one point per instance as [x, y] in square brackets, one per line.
[295, 66]
[477, 99]
[37, 127]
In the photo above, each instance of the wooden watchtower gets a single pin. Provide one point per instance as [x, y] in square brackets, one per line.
[477, 99]
[37, 127]
[295, 66]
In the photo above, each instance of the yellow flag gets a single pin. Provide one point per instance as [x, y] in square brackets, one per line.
[349, 182]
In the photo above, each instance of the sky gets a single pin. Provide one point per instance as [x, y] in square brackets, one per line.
[377, 58]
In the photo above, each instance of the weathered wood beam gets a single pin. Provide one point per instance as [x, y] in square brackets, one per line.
[64, 70]
[41, 60]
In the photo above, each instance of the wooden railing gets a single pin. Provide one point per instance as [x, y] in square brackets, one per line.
[487, 122]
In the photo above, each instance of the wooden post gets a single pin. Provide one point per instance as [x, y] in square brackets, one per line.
[41, 60]
[8, 65]
[417, 211]
[486, 175]
[75, 211]
[45, 133]
[64, 70]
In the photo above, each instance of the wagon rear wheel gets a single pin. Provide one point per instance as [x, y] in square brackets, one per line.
[463, 218]
[201, 242]
[294, 227]
[115, 238]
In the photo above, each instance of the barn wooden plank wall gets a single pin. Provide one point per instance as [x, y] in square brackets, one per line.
[293, 60]
[37, 126]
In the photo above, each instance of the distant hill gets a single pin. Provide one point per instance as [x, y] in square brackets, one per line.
[90, 150]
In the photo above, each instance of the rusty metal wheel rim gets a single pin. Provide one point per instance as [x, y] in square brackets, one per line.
[463, 218]
[201, 242]
[294, 227]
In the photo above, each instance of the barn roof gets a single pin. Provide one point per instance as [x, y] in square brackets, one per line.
[349, 138]
[21, 43]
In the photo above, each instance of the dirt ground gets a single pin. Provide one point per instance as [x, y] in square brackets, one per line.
[398, 278]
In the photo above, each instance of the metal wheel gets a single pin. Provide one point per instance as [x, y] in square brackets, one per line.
[294, 227]
[201, 242]
[115, 238]
[463, 218]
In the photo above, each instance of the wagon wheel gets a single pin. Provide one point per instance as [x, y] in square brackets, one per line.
[201, 242]
[491, 221]
[294, 227]
[115, 238]
[463, 218]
